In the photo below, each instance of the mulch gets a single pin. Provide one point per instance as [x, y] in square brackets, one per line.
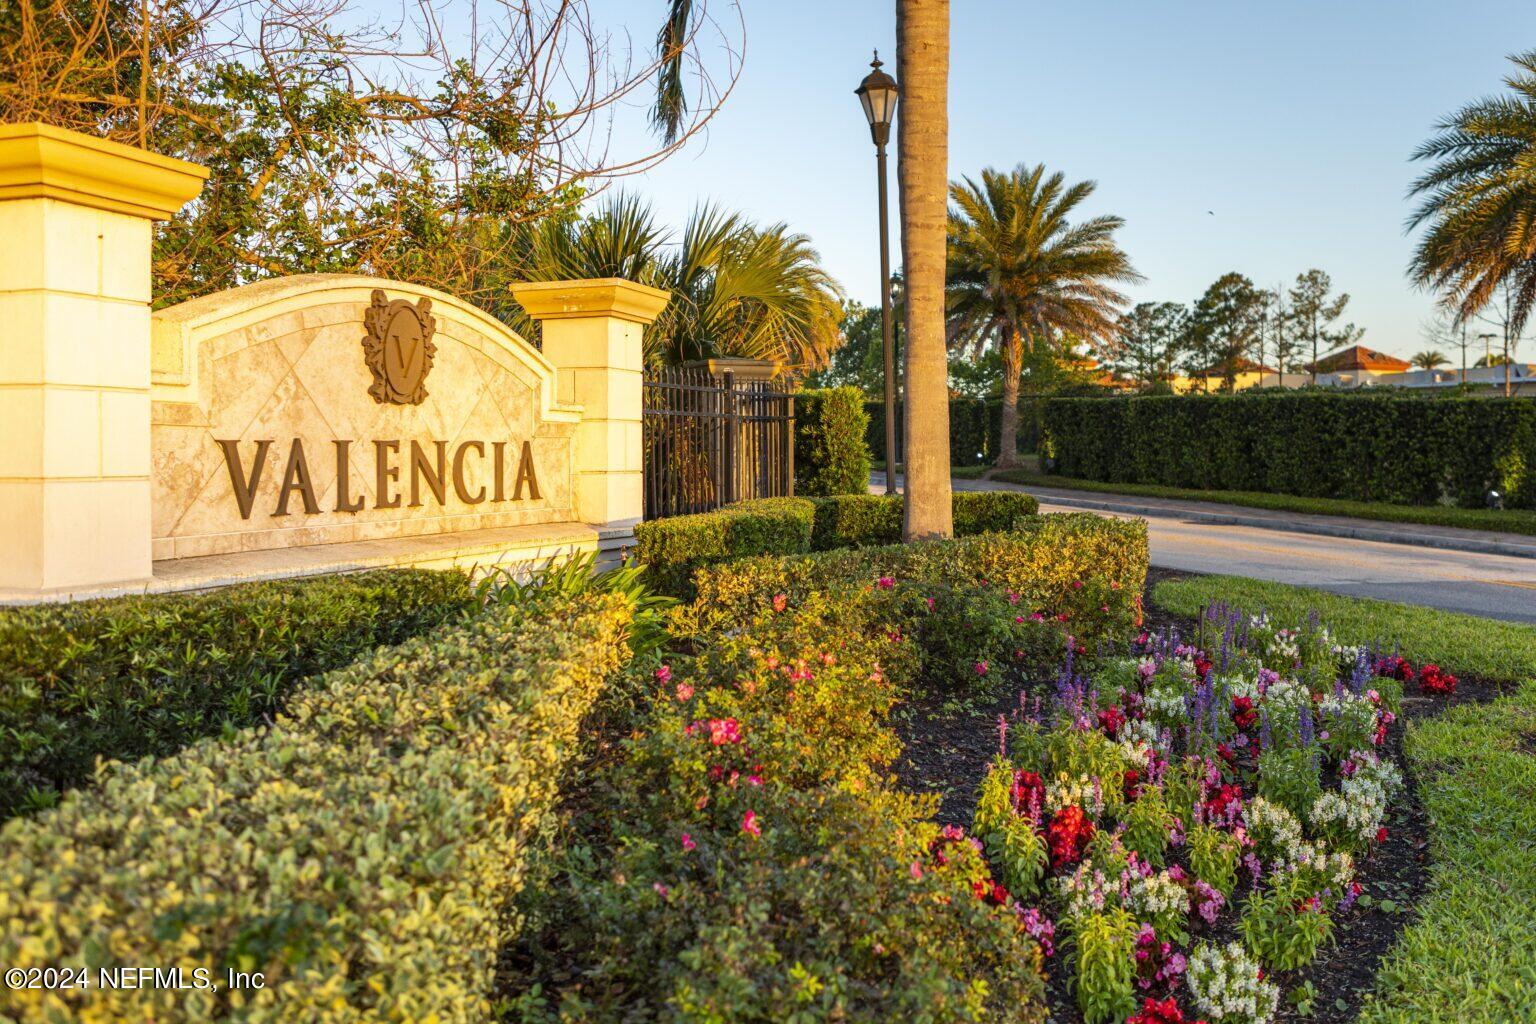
[948, 744]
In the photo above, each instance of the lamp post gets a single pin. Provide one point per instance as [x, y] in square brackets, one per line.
[878, 94]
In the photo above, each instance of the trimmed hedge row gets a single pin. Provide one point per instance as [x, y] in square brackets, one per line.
[1396, 448]
[135, 676]
[359, 854]
[830, 454]
[975, 429]
[747, 856]
[1082, 570]
[672, 548]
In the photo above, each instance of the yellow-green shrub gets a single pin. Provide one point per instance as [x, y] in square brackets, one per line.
[1073, 564]
[360, 853]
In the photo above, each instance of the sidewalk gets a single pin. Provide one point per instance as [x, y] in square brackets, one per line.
[1447, 538]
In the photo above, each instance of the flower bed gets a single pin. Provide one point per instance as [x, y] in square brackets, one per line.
[1184, 824]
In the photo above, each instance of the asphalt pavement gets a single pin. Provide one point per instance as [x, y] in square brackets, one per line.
[1478, 582]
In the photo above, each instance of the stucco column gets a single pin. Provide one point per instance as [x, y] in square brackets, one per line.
[592, 332]
[75, 238]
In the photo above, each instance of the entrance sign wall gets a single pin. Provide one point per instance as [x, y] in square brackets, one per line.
[300, 424]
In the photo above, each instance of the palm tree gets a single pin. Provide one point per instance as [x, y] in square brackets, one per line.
[922, 151]
[1479, 201]
[1020, 269]
[738, 289]
[1428, 359]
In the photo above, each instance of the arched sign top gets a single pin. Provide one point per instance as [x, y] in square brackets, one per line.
[181, 330]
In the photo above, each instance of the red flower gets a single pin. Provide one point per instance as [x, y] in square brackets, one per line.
[1202, 665]
[1226, 753]
[1218, 806]
[1381, 835]
[1434, 679]
[1160, 1012]
[1027, 794]
[1243, 714]
[1130, 784]
[1111, 719]
[1068, 836]
[1394, 667]
[780, 602]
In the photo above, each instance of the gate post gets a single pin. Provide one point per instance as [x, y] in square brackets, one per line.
[592, 332]
[75, 215]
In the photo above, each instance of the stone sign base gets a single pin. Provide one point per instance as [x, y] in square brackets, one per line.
[517, 549]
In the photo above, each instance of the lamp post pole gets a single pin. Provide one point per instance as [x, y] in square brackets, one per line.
[887, 327]
[878, 94]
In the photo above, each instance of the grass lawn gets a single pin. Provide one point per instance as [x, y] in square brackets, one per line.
[1508, 520]
[1503, 651]
[1470, 954]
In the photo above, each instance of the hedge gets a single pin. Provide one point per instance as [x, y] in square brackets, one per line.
[1390, 447]
[132, 676]
[359, 854]
[673, 548]
[747, 857]
[975, 429]
[1081, 569]
[830, 454]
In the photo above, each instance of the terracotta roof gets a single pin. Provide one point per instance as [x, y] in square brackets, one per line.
[1358, 357]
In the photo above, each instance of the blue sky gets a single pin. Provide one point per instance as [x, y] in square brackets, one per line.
[1292, 122]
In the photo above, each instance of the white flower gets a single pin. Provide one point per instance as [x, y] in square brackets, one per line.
[1226, 986]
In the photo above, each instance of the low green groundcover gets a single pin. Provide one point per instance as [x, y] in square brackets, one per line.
[136, 676]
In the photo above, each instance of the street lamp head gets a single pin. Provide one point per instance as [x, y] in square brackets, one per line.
[878, 94]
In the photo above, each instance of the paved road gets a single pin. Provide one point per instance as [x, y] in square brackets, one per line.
[1497, 586]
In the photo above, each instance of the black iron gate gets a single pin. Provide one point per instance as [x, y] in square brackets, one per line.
[713, 440]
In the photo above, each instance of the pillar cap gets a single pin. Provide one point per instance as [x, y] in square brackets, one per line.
[40, 161]
[603, 296]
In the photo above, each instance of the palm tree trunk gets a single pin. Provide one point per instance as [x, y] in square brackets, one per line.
[922, 147]
[1008, 443]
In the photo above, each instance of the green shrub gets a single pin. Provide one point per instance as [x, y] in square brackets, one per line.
[857, 521]
[673, 548]
[359, 854]
[830, 454]
[867, 520]
[975, 429]
[137, 676]
[1389, 447]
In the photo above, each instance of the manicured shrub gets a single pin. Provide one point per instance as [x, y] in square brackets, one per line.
[135, 676]
[1080, 569]
[856, 521]
[866, 520]
[360, 853]
[830, 454]
[1389, 447]
[985, 511]
[673, 548]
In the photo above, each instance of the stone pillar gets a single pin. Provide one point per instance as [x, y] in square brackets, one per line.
[75, 239]
[592, 331]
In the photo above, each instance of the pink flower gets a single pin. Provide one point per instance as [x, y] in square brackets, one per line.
[684, 691]
[661, 890]
[749, 824]
[663, 674]
[723, 731]
[981, 668]
[688, 843]
[917, 872]
[1077, 584]
[885, 582]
